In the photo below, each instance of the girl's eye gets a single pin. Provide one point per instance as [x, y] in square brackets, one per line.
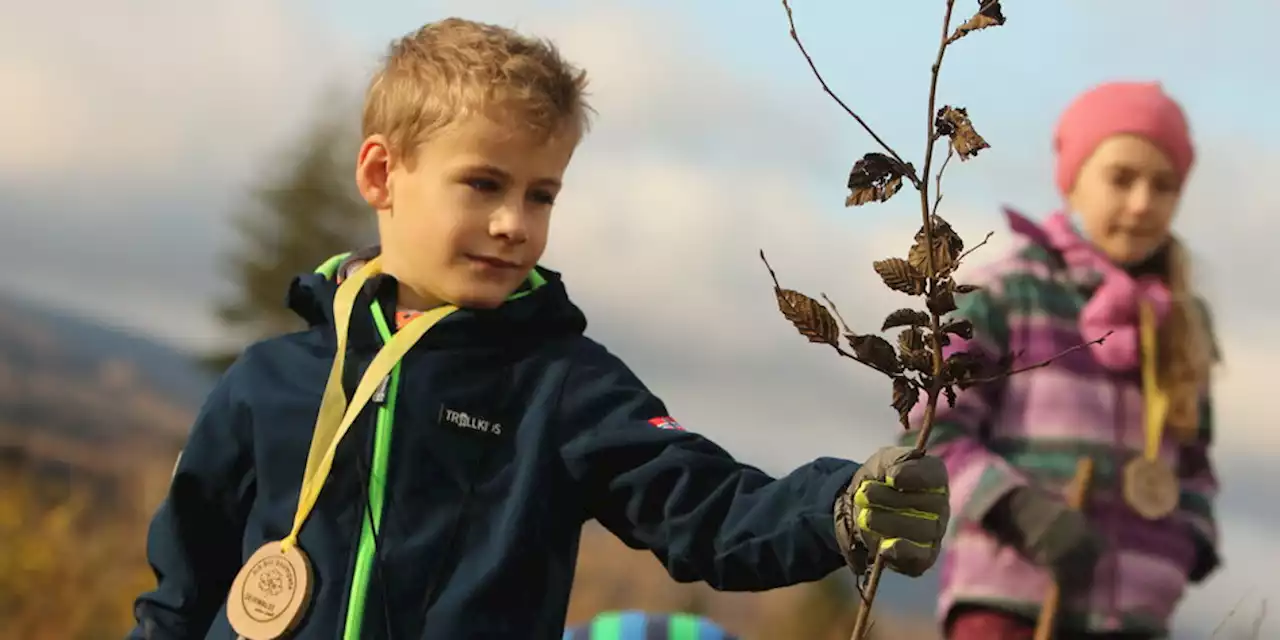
[543, 197]
[1122, 179]
[1166, 185]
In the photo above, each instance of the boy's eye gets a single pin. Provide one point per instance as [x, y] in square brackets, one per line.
[484, 185]
[543, 197]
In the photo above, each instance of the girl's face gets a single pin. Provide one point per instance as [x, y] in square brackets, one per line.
[1126, 194]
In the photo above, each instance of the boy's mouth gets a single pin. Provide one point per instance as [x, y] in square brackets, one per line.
[496, 263]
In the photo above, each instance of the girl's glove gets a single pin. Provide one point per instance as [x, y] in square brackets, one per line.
[896, 503]
[1049, 533]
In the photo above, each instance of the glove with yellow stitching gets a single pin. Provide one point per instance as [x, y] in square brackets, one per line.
[897, 503]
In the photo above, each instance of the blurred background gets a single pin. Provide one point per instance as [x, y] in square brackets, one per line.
[166, 167]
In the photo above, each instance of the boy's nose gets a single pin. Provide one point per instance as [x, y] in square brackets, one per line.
[508, 222]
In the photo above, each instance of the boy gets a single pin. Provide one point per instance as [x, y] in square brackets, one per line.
[457, 474]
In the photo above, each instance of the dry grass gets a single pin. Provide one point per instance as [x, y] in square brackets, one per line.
[1234, 628]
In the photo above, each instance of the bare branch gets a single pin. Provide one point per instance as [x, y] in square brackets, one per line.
[791, 22]
[860, 625]
[1043, 363]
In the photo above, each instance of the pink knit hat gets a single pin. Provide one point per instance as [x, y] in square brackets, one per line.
[1137, 108]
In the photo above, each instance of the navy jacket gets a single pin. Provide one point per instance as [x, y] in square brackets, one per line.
[477, 526]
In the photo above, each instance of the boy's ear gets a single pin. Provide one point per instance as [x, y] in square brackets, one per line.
[373, 172]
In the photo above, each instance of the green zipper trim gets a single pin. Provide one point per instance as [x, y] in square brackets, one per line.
[383, 427]
[377, 492]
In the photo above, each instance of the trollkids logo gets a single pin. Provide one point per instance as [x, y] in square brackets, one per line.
[474, 423]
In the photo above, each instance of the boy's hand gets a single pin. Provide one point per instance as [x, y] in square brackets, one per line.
[898, 504]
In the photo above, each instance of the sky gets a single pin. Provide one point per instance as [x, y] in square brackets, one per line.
[130, 134]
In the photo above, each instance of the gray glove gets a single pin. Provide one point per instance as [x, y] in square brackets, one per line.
[897, 503]
[1049, 533]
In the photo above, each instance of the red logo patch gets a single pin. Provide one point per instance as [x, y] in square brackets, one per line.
[666, 422]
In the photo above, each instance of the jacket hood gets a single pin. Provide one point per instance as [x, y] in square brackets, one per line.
[539, 309]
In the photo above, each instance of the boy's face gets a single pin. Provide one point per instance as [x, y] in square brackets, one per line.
[466, 220]
[1126, 194]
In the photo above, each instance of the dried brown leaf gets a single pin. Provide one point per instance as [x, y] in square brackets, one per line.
[905, 318]
[876, 351]
[988, 15]
[947, 247]
[950, 392]
[875, 178]
[809, 317]
[911, 339]
[905, 396]
[942, 301]
[954, 123]
[962, 328]
[921, 360]
[899, 275]
[962, 366]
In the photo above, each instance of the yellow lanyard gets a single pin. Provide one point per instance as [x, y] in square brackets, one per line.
[1156, 400]
[335, 417]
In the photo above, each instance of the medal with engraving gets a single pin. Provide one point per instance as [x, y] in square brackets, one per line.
[1150, 486]
[269, 596]
[272, 592]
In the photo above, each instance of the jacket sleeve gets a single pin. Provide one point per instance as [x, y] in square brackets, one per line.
[979, 477]
[1199, 482]
[193, 544]
[705, 515]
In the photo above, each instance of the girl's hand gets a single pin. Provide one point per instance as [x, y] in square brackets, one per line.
[1048, 532]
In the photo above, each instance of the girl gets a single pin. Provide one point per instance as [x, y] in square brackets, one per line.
[1136, 405]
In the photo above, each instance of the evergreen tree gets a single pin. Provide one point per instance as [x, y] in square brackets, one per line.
[294, 220]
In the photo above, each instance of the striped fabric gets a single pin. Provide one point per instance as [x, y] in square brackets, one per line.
[638, 625]
[1030, 429]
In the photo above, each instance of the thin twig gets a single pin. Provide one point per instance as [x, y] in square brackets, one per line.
[975, 247]
[849, 332]
[1258, 620]
[839, 318]
[777, 286]
[937, 184]
[791, 22]
[854, 357]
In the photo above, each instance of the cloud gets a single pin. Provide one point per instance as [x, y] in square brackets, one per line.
[130, 133]
[134, 90]
[695, 165]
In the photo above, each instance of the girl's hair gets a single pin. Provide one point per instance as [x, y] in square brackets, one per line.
[1186, 349]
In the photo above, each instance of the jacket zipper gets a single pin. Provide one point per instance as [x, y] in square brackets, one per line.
[384, 398]
[355, 533]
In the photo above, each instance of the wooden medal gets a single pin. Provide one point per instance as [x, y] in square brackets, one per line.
[1150, 488]
[270, 595]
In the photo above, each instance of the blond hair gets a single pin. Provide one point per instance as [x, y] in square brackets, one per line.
[1186, 346]
[455, 68]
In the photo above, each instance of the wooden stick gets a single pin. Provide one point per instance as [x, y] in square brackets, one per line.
[1076, 498]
